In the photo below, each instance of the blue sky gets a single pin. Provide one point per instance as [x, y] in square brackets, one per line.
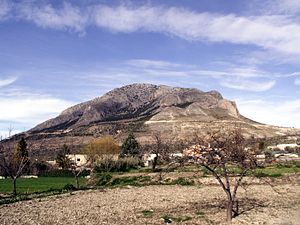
[54, 54]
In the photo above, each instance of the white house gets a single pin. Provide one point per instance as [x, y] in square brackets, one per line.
[148, 158]
[283, 146]
[78, 159]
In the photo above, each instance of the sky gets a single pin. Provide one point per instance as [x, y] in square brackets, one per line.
[54, 54]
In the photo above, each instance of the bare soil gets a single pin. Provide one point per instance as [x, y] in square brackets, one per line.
[203, 204]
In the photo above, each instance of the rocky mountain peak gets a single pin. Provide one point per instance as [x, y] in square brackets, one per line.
[140, 101]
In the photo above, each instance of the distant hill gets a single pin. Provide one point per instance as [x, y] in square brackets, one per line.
[176, 112]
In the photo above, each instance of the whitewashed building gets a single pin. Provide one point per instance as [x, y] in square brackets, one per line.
[78, 159]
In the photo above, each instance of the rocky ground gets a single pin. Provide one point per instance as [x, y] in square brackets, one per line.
[204, 204]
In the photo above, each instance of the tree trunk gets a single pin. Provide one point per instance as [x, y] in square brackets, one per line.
[77, 182]
[14, 186]
[154, 163]
[229, 211]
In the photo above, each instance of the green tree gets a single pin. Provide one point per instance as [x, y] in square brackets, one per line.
[22, 148]
[130, 147]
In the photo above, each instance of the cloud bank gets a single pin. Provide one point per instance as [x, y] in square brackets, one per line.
[283, 113]
[278, 32]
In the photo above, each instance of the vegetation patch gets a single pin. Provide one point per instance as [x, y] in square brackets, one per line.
[200, 214]
[277, 170]
[183, 181]
[132, 181]
[120, 165]
[179, 219]
[103, 179]
[147, 213]
[262, 174]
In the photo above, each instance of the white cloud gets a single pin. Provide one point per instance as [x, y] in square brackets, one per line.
[31, 109]
[25, 112]
[67, 17]
[280, 113]
[248, 85]
[146, 63]
[279, 33]
[7, 81]
[297, 81]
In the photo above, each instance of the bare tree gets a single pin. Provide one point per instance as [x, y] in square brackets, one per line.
[229, 159]
[62, 160]
[159, 148]
[14, 159]
[73, 165]
[99, 148]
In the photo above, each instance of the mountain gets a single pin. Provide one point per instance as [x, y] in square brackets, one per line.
[175, 112]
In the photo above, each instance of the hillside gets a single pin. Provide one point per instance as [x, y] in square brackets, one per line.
[145, 108]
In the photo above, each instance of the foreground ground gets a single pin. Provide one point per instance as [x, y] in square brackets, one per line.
[203, 204]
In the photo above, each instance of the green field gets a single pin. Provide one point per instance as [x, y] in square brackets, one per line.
[40, 184]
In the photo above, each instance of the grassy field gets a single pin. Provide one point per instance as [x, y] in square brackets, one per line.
[40, 184]
[278, 170]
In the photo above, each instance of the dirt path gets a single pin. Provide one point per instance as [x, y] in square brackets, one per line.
[147, 205]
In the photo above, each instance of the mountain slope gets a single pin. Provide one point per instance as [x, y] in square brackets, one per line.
[139, 101]
[175, 112]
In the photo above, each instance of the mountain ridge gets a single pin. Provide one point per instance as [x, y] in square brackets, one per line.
[175, 112]
[134, 101]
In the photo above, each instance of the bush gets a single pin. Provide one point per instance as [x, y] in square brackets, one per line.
[120, 165]
[183, 181]
[262, 174]
[62, 173]
[133, 181]
[69, 187]
[38, 167]
[103, 179]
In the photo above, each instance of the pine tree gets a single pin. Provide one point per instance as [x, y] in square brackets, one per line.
[22, 148]
[130, 147]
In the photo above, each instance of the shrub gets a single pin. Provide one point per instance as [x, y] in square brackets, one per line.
[98, 148]
[183, 181]
[56, 173]
[134, 181]
[147, 213]
[38, 167]
[103, 179]
[169, 218]
[262, 174]
[120, 165]
[69, 187]
[62, 173]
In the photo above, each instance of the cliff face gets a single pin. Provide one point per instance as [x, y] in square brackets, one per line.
[177, 113]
